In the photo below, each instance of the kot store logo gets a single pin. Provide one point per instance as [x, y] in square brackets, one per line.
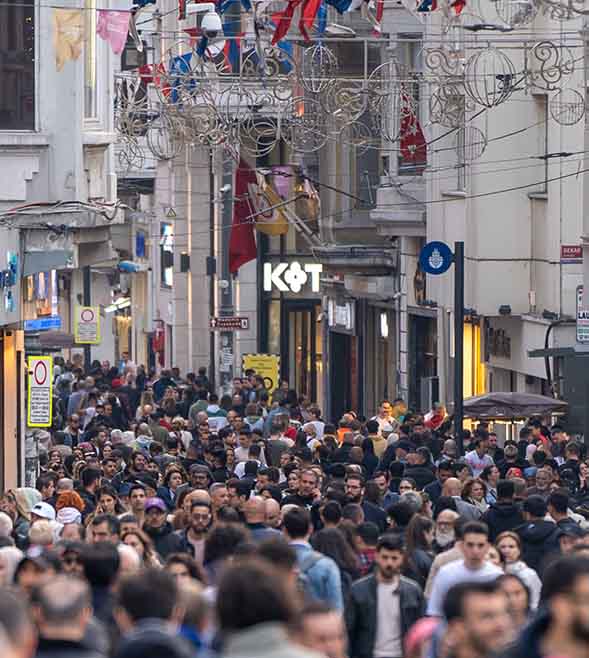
[292, 277]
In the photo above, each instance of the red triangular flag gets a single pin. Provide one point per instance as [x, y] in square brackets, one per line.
[242, 243]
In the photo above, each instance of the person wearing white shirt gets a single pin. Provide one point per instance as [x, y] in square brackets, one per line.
[478, 459]
[386, 423]
[473, 568]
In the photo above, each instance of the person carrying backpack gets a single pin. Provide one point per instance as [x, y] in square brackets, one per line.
[319, 575]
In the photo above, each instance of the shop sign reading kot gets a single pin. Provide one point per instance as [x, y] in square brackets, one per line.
[292, 277]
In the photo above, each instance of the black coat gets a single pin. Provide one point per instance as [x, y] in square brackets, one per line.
[539, 540]
[375, 514]
[422, 474]
[501, 517]
[164, 539]
[361, 613]
[64, 649]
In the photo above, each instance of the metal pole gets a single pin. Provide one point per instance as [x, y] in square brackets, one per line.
[458, 342]
[87, 300]
[212, 361]
[226, 338]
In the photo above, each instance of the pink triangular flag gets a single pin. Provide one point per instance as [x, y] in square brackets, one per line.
[113, 26]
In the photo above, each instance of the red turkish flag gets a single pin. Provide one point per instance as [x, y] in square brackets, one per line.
[242, 243]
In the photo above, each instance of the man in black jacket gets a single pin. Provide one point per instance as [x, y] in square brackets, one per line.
[355, 494]
[540, 538]
[420, 468]
[158, 529]
[505, 514]
[384, 605]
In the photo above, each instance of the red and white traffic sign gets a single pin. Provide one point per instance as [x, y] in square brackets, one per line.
[40, 391]
[87, 325]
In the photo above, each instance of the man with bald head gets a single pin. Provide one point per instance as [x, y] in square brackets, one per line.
[273, 519]
[63, 609]
[255, 518]
[452, 489]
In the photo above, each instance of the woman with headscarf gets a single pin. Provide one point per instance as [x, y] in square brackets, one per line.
[18, 503]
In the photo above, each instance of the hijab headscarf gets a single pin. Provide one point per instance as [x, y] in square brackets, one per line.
[26, 498]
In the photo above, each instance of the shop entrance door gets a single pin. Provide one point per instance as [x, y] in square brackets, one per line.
[341, 374]
[301, 349]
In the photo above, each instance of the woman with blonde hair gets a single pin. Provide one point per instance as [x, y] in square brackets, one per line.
[41, 534]
[510, 546]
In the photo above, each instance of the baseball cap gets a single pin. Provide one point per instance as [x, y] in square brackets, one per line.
[44, 510]
[155, 503]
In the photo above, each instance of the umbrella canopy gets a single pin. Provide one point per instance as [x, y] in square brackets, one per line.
[511, 406]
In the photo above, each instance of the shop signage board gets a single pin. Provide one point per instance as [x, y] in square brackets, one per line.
[266, 365]
[43, 324]
[229, 323]
[87, 325]
[292, 277]
[571, 253]
[436, 258]
[40, 391]
[582, 318]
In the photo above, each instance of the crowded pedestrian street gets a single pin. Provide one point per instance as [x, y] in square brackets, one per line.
[294, 339]
[166, 522]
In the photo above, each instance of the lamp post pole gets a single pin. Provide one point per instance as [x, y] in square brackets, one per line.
[458, 343]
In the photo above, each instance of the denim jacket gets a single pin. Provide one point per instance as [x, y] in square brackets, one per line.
[324, 577]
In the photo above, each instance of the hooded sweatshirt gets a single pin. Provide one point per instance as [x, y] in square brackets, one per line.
[539, 539]
[501, 517]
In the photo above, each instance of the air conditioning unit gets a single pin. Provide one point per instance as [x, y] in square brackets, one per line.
[429, 392]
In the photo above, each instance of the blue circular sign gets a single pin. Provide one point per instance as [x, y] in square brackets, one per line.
[436, 258]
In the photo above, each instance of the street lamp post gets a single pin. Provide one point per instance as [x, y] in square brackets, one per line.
[436, 258]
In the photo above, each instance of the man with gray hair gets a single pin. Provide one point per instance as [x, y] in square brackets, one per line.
[64, 484]
[63, 610]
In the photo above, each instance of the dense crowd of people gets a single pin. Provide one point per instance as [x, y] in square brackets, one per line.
[168, 522]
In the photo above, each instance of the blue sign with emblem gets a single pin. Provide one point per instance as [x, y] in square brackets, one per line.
[436, 258]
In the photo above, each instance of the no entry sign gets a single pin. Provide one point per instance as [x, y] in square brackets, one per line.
[40, 391]
[87, 325]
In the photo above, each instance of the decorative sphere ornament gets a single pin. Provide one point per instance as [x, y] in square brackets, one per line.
[567, 107]
[489, 77]
[516, 12]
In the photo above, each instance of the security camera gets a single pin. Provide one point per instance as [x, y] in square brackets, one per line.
[211, 24]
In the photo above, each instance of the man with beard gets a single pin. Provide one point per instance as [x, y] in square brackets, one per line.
[384, 605]
[444, 535]
[307, 492]
[562, 628]
[478, 620]
[355, 494]
[449, 534]
[193, 538]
